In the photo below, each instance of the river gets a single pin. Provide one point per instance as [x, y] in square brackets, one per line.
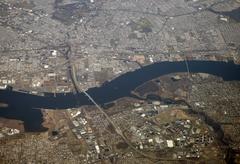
[26, 107]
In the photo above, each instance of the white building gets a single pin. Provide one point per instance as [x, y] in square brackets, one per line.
[170, 143]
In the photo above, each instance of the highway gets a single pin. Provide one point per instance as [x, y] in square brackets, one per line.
[116, 128]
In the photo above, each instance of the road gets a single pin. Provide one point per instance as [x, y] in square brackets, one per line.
[116, 128]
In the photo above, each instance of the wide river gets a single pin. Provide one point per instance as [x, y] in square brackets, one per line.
[25, 107]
